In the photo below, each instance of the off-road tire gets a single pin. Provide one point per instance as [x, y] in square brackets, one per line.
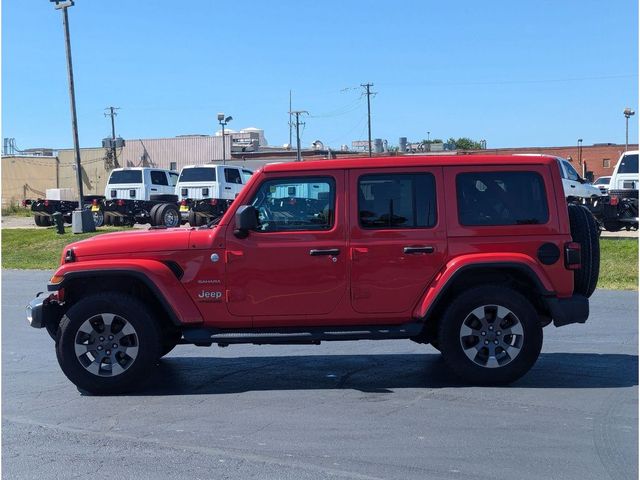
[162, 213]
[152, 214]
[584, 230]
[148, 336]
[45, 221]
[193, 219]
[163, 197]
[450, 342]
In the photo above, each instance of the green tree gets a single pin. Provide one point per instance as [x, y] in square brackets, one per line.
[465, 143]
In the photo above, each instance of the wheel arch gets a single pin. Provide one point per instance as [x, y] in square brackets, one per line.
[516, 275]
[154, 281]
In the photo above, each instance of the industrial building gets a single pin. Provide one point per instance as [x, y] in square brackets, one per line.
[29, 173]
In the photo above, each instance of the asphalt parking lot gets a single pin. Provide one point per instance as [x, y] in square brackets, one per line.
[357, 410]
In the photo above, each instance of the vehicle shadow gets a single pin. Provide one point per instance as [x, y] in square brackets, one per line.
[372, 373]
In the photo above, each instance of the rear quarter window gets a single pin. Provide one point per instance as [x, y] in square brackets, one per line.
[501, 198]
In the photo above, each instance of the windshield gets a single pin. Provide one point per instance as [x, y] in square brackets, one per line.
[125, 176]
[198, 174]
[602, 181]
[629, 164]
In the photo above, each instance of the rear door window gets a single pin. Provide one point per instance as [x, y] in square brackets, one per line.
[629, 164]
[158, 177]
[232, 175]
[501, 198]
[571, 172]
[390, 201]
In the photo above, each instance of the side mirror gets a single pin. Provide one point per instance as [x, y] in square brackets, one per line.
[246, 220]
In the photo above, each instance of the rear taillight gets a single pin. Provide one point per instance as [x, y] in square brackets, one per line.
[183, 203]
[572, 256]
[614, 201]
[46, 203]
[121, 203]
[214, 201]
[95, 202]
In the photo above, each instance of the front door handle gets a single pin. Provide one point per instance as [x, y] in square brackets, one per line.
[330, 251]
[421, 249]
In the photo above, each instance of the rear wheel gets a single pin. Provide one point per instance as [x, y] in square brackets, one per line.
[490, 336]
[107, 343]
[152, 214]
[98, 218]
[168, 215]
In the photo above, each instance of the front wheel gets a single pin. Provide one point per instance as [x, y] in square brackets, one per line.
[108, 343]
[490, 336]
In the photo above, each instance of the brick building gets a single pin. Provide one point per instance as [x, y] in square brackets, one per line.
[600, 158]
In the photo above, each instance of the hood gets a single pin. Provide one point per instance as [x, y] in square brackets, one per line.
[124, 243]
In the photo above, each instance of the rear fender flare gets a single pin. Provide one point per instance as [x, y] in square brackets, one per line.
[461, 265]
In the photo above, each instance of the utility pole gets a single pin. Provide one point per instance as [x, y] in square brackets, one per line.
[60, 5]
[297, 113]
[112, 113]
[290, 123]
[368, 86]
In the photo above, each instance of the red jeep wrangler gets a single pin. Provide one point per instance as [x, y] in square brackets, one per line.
[472, 254]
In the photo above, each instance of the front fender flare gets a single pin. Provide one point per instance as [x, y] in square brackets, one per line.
[459, 265]
[157, 276]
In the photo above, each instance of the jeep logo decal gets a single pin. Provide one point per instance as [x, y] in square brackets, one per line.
[215, 296]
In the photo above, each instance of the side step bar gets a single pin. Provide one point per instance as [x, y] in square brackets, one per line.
[312, 335]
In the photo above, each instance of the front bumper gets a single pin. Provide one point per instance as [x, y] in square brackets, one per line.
[35, 311]
[43, 310]
[565, 311]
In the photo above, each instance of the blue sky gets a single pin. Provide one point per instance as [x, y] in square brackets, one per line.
[527, 73]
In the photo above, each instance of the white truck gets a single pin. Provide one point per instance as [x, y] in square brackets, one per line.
[576, 188]
[206, 191]
[140, 195]
[620, 208]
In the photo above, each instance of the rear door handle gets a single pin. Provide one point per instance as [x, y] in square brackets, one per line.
[421, 249]
[154, 189]
[330, 251]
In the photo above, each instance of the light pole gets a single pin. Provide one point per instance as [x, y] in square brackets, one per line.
[579, 151]
[428, 141]
[627, 113]
[223, 121]
[63, 5]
